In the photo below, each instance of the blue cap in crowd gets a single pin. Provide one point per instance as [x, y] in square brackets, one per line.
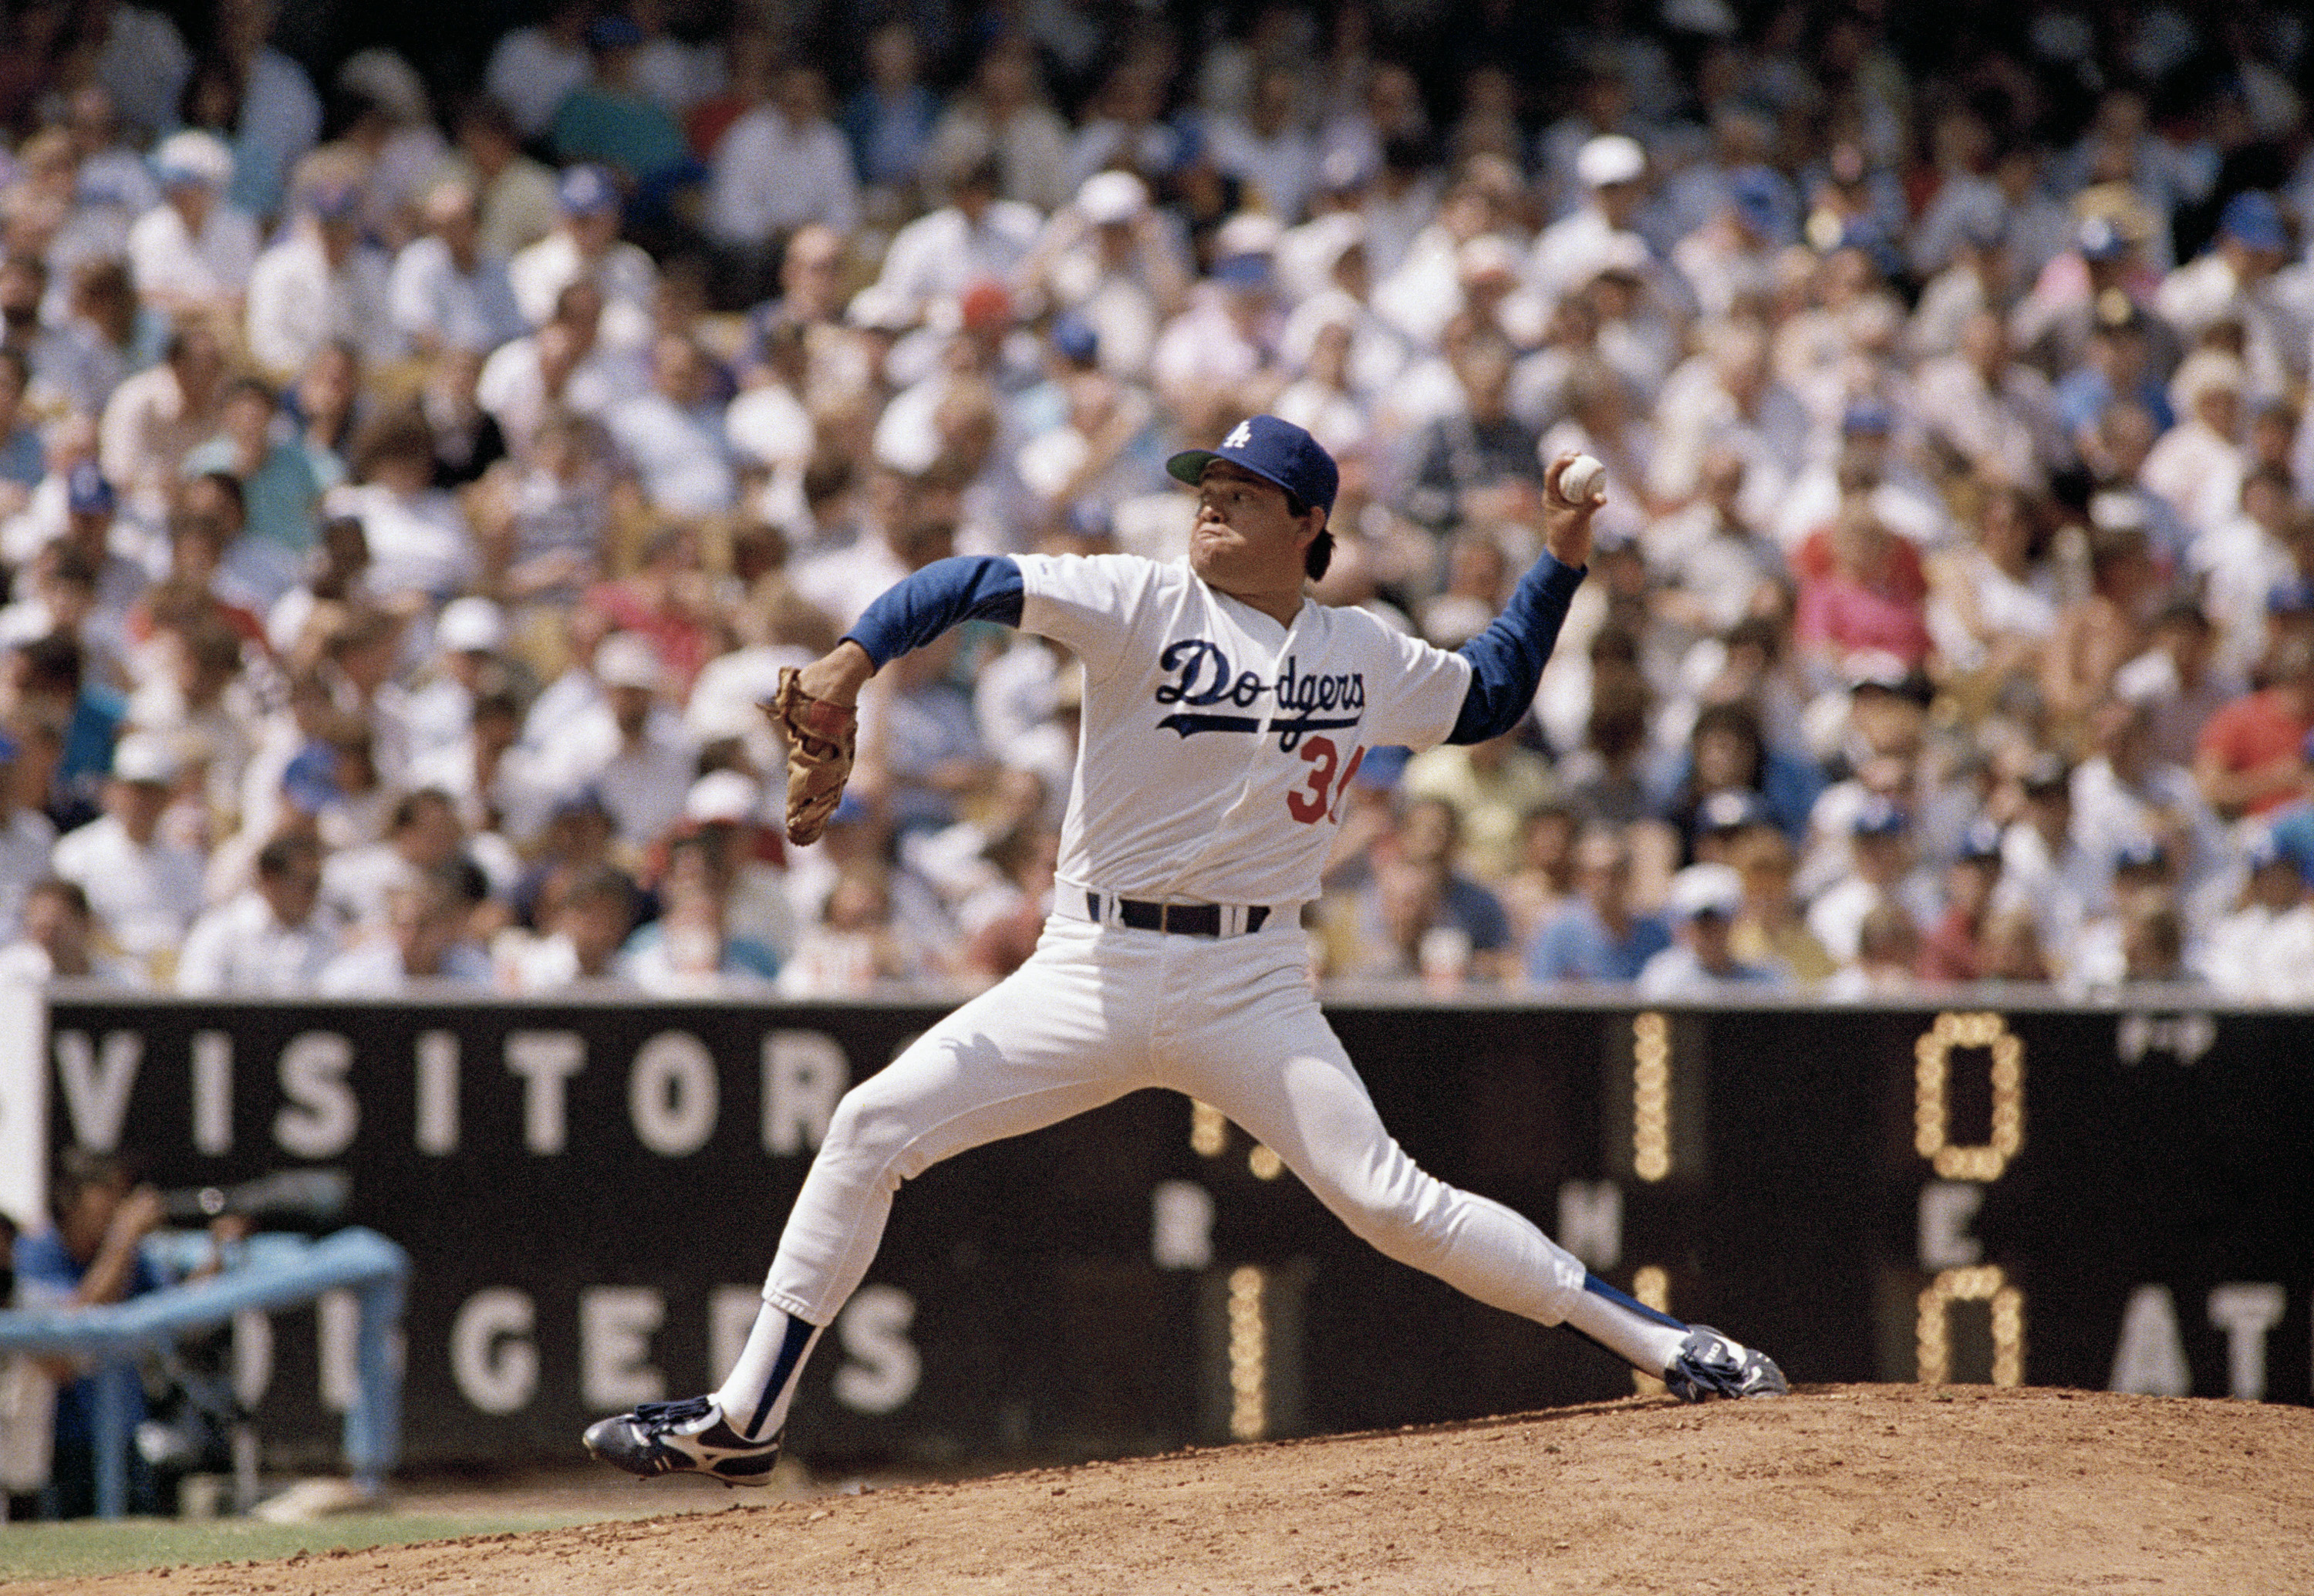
[334, 202]
[1249, 269]
[1276, 451]
[582, 800]
[612, 32]
[310, 783]
[2253, 218]
[2101, 239]
[2293, 597]
[1867, 418]
[1877, 818]
[587, 189]
[1074, 338]
[1089, 518]
[2140, 854]
[1981, 841]
[86, 492]
[1761, 200]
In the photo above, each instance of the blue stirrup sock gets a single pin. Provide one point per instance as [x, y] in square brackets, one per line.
[754, 1397]
[1643, 1337]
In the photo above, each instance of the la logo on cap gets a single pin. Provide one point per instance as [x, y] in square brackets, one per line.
[1242, 436]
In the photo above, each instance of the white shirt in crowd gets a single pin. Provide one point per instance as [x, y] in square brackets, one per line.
[145, 897]
[297, 304]
[770, 177]
[625, 275]
[164, 256]
[240, 948]
[466, 310]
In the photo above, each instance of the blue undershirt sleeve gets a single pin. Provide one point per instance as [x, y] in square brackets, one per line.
[920, 606]
[1506, 659]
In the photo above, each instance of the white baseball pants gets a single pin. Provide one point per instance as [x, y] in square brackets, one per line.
[1097, 1012]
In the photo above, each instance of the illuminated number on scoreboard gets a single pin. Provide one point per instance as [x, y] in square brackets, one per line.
[1650, 1097]
[1931, 1112]
[1983, 1283]
[1651, 1286]
[1248, 1353]
[1982, 1165]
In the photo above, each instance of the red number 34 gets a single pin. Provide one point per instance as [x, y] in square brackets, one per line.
[1321, 795]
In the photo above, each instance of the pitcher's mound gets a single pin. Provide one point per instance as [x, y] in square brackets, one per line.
[1845, 1490]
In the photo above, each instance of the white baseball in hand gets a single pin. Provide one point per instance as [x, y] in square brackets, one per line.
[1580, 482]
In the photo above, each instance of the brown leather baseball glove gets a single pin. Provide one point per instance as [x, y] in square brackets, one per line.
[819, 737]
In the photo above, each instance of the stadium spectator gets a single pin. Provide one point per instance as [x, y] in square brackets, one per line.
[2249, 760]
[90, 1254]
[421, 943]
[446, 289]
[692, 951]
[782, 165]
[1600, 936]
[271, 941]
[192, 255]
[57, 939]
[534, 68]
[1704, 901]
[144, 889]
[587, 917]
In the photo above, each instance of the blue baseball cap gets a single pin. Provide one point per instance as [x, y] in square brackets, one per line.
[1981, 841]
[2253, 218]
[86, 492]
[587, 189]
[1249, 269]
[310, 783]
[1877, 818]
[582, 800]
[2293, 597]
[1089, 518]
[1075, 338]
[335, 202]
[1867, 417]
[1273, 450]
[1384, 763]
[1759, 201]
[612, 32]
[2101, 239]
[2140, 854]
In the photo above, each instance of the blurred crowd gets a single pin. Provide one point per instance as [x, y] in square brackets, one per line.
[409, 486]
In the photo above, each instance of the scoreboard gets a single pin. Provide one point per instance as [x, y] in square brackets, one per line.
[2119, 1197]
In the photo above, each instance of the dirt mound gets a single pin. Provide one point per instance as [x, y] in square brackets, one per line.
[1854, 1490]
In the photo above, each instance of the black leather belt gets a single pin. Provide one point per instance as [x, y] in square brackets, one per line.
[1188, 920]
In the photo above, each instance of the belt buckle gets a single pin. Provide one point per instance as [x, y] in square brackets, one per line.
[1165, 919]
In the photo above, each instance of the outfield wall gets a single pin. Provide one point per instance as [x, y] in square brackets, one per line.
[590, 1195]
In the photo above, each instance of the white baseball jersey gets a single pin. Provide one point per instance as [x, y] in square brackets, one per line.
[1217, 744]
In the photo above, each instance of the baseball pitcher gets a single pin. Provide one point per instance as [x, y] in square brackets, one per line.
[1225, 713]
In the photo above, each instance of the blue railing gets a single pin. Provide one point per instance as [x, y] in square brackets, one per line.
[265, 1272]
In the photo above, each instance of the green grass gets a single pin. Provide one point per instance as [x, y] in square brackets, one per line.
[91, 1547]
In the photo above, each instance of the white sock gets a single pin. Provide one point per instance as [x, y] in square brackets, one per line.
[755, 1394]
[1649, 1340]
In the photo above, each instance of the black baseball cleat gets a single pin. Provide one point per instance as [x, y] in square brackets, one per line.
[1711, 1365]
[687, 1437]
